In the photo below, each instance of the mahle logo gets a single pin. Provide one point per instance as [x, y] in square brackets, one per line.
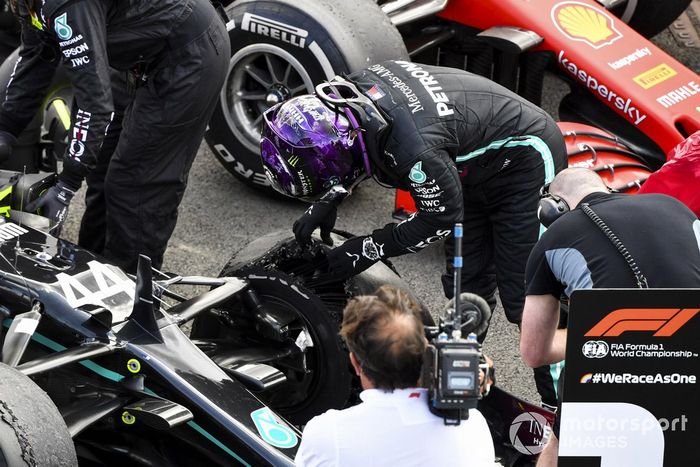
[584, 23]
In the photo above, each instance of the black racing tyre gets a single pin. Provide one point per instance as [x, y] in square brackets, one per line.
[327, 381]
[32, 432]
[650, 17]
[279, 251]
[281, 274]
[283, 48]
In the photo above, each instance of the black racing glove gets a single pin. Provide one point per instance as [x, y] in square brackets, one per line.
[360, 253]
[7, 140]
[54, 205]
[322, 213]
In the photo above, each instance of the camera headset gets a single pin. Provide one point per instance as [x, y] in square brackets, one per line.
[551, 207]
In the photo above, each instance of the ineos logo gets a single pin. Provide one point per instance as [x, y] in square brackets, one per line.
[529, 433]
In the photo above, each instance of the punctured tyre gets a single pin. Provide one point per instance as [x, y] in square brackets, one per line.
[283, 48]
[278, 256]
[280, 251]
[32, 431]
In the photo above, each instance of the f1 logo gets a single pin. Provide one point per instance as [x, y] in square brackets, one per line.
[664, 321]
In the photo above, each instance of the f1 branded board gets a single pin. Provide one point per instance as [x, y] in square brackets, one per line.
[630, 392]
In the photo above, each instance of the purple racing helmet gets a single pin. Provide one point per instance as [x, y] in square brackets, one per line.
[307, 148]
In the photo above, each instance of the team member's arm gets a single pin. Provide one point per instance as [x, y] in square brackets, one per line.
[29, 82]
[541, 343]
[79, 28]
[437, 191]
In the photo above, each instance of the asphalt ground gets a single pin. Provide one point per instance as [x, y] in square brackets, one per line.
[220, 215]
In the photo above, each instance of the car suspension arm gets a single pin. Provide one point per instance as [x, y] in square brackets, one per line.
[187, 310]
[76, 354]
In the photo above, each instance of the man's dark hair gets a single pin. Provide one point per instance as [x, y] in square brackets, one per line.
[385, 332]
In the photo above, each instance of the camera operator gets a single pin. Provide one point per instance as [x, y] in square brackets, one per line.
[660, 235]
[393, 425]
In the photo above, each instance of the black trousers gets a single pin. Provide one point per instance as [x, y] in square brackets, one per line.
[501, 193]
[134, 192]
[501, 226]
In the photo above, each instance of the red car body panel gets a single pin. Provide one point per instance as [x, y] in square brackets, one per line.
[639, 81]
[642, 83]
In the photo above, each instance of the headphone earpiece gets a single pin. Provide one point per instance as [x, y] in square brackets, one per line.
[551, 208]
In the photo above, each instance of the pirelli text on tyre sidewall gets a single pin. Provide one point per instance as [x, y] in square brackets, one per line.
[281, 49]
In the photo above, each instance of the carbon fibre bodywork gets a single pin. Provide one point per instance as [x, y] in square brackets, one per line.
[130, 388]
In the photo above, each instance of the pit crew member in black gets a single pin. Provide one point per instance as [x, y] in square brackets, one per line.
[661, 234]
[176, 54]
[467, 149]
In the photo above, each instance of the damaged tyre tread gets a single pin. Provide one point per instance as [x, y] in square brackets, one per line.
[13, 422]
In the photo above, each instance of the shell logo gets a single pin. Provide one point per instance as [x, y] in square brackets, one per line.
[581, 22]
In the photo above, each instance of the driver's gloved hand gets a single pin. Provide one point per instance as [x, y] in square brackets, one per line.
[360, 253]
[320, 214]
[353, 257]
[54, 205]
[7, 140]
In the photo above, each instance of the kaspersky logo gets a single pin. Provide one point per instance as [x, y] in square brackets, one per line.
[584, 23]
[664, 322]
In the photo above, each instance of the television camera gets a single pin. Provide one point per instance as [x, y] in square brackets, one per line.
[454, 366]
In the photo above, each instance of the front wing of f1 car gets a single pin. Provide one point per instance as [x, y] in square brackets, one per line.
[128, 381]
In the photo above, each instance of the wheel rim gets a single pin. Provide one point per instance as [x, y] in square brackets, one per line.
[259, 76]
[296, 394]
